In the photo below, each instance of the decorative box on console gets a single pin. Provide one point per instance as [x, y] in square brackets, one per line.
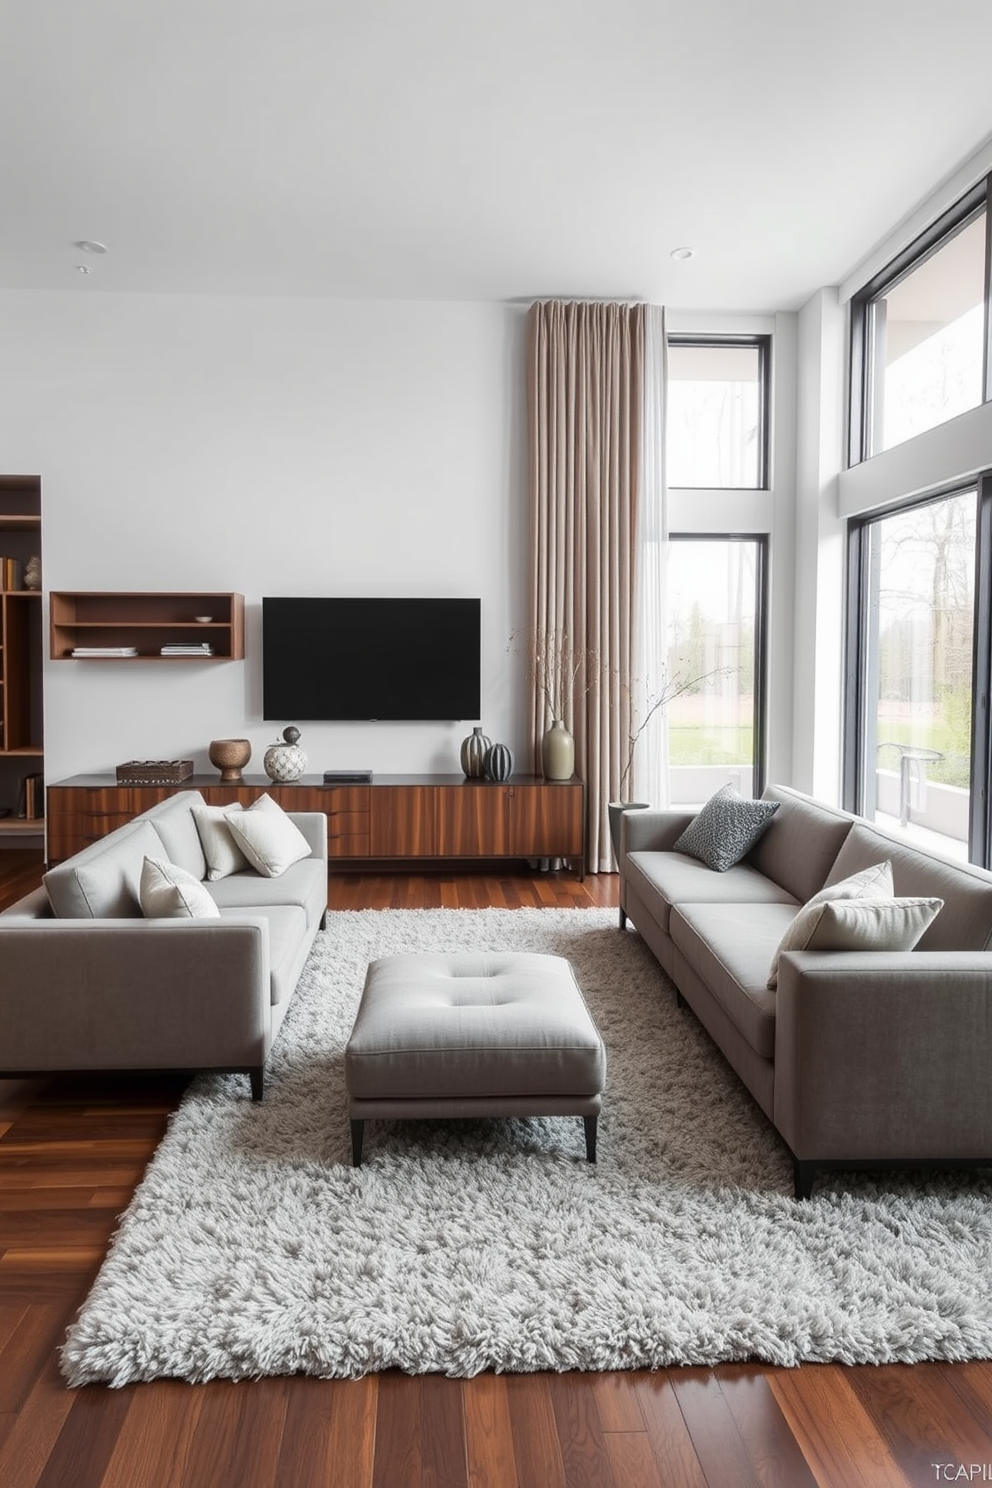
[154, 772]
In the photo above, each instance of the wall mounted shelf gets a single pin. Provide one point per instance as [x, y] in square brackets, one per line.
[129, 627]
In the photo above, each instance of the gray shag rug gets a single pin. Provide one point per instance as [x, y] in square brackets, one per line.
[252, 1247]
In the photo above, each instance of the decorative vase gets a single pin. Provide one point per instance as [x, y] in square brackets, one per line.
[616, 810]
[473, 753]
[32, 573]
[558, 752]
[498, 763]
[284, 760]
[230, 757]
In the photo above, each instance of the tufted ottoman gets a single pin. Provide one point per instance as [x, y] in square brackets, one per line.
[473, 1034]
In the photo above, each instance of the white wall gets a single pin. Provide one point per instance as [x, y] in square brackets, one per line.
[267, 446]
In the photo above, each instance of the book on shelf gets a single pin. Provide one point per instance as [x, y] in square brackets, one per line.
[187, 649]
[104, 651]
[31, 798]
[11, 573]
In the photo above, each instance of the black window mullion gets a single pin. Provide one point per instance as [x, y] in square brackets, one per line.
[980, 823]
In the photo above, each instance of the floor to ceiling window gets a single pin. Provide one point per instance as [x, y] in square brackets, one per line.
[917, 571]
[716, 627]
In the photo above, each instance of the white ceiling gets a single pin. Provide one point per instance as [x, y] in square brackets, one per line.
[477, 149]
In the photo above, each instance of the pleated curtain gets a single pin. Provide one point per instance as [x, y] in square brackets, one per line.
[596, 488]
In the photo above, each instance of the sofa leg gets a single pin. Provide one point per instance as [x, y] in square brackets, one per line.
[804, 1175]
[589, 1122]
[623, 918]
[357, 1135]
[323, 921]
[257, 1077]
[679, 999]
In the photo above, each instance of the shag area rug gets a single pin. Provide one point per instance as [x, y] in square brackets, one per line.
[252, 1247]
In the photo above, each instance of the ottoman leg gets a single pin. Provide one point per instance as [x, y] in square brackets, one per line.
[357, 1133]
[590, 1125]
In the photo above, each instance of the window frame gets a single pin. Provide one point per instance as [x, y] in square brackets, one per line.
[762, 342]
[859, 683]
[861, 380]
[759, 767]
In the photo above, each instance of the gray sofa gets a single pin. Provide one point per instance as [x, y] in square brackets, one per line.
[860, 1058]
[88, 983]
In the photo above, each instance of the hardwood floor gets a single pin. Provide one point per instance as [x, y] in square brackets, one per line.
[71, 1153]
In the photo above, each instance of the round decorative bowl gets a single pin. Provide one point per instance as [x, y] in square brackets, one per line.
[230, 757]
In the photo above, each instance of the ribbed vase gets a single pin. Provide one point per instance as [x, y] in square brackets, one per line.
[558, 752]
[499, 762]
[473, 754]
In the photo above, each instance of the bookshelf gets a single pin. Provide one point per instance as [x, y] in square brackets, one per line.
[21, 720]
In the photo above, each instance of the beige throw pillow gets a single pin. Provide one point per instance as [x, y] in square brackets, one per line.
[222, 853]
[870, 883]
[267, 837]
[168, 892]
[873, 924]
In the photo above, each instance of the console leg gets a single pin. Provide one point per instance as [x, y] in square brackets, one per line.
[804, 1174]
[357, 1134]
[590, 1125]
[257, 1077]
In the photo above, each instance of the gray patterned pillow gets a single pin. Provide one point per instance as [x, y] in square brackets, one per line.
[725, 829]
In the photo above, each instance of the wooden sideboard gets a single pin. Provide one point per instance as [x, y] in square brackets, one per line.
[395, 819]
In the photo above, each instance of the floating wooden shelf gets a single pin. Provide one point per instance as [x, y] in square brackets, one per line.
[146, 622]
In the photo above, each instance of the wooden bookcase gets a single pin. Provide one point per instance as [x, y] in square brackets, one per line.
[147, 622]
[397, 819]
[21, 720]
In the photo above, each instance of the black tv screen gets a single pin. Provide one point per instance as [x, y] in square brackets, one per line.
[369, 659]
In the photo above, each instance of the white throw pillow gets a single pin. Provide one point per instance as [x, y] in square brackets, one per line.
[222, 853]
[870, 883]
[168, 892]
[267, 837]
[873, 924]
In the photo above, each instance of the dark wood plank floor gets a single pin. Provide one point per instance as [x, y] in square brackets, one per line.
[71, 1153]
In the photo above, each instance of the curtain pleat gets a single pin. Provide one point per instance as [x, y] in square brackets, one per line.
[586, 390]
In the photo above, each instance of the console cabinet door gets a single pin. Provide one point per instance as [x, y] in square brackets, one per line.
[473, 821]
[546, 821]
[403, 821]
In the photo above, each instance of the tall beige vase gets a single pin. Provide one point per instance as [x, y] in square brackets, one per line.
[558, 752]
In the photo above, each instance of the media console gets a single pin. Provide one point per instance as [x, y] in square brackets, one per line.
[394, 820]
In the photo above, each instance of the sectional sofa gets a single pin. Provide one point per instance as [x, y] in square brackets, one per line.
[860, 1057]
[199, 978]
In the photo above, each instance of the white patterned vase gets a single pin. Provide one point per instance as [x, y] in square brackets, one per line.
[284, 760]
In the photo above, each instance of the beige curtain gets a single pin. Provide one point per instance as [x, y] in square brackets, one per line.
[585, 395]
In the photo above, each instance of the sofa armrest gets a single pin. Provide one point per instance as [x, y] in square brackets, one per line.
[313, 825]
[884, 1054]
[652, 831]
[132, 994]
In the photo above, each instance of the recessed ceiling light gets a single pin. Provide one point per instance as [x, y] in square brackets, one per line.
[83, 269]
[89, 245]
[681, 254]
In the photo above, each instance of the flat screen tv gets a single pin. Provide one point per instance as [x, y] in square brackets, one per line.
[371, 659]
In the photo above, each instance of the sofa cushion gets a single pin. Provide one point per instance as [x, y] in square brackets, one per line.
[287, 931]
[222, 853]
[873, 883]
[267, 837]
[725, 828]
[173, 821]
[873, 924]
[729, 947]
[103, 881]
[662, 879]
[304, 884]
[801, 843]
[167, 892]
[964, 923]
